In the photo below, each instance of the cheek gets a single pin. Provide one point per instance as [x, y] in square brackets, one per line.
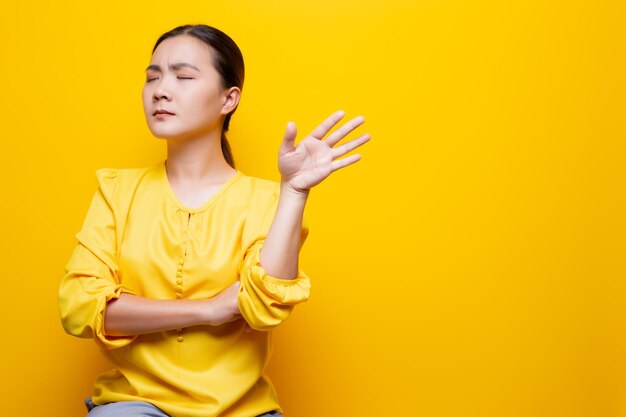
[145, 97]
[200, 108]
[207, 97]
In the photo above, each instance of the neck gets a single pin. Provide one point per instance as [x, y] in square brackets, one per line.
[197, 159]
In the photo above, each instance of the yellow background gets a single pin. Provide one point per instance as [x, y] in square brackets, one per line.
[471, 264]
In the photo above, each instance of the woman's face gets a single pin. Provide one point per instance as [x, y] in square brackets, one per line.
[181, 80]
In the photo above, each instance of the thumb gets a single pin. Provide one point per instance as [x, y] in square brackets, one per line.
[289, 138]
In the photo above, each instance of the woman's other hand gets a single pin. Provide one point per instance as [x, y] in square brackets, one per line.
[307, 164]
[224, 307]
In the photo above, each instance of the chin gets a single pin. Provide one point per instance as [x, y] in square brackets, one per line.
[165, 136]
[163, 132]
[168, 136]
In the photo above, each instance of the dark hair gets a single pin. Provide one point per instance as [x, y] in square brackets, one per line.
[226, 59]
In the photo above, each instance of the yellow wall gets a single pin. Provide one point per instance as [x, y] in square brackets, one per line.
[471, 264]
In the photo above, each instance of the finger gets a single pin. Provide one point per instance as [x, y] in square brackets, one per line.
[348, 160]
[348, 146]
[327, 124]
[289, 138]
[338, 134]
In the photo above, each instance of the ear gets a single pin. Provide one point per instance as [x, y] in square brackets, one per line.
[230, 99]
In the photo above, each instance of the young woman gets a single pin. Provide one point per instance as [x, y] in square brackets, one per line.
[183, 268]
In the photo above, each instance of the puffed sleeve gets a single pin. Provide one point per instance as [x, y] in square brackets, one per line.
[266, 301]
[91, 273]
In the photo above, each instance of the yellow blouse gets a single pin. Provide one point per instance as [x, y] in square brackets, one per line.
[138, 238]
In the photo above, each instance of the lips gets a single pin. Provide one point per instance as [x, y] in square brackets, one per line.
[162, 112]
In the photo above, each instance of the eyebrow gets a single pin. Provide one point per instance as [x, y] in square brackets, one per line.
[175, 66]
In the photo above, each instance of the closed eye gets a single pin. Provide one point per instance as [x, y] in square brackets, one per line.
[180, 78]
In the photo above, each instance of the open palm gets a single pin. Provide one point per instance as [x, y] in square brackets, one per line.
[307, 164]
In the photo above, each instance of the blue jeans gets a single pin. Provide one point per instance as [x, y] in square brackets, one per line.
[137, 409]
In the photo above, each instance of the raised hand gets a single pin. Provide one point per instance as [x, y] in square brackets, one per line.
[314, 159]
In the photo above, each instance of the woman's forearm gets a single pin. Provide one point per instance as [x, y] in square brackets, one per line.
[279, 254]
[130, 314]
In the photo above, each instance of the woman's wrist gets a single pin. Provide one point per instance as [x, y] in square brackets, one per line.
[286, 191]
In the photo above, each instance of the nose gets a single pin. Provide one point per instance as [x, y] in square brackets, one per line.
[161, 91]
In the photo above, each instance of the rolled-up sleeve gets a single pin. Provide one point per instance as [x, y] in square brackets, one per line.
[91, 277]
[266, 301]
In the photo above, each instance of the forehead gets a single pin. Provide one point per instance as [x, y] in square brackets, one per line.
[182, 48]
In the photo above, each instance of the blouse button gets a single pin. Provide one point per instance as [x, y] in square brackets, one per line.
[179, 281]
[180, 338]
[179, 294]
[178, 274]
[179, 267]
